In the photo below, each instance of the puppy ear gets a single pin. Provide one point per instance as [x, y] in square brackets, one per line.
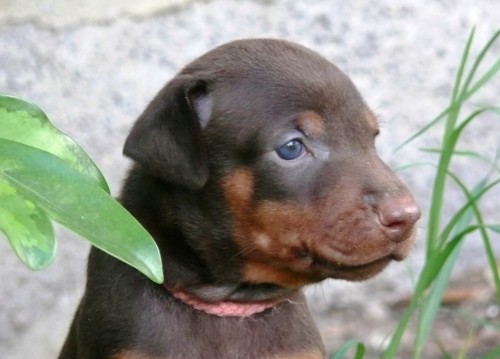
[166, 139]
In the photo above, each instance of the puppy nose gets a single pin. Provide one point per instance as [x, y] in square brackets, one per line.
[397, 216]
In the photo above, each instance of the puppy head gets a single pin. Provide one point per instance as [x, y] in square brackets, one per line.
[281, 139]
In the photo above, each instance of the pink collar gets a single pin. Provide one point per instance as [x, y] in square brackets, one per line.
[227, 308]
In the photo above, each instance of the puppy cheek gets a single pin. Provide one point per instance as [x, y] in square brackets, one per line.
[281, 243]
[238, 189]
[252, 239]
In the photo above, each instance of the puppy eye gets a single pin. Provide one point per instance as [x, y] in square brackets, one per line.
[291, 150]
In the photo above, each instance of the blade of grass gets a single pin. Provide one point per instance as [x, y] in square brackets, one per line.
[439, 185]
[475, 319]
[428, 274]
[354, 343]
[460, 153]
[450, 139]
[467, 344]
[444, 262]
[490, 253]
[432, 304]
[493, 227]
[436, 255]
[412, 165]
[463, 62]
[475, 196]
[484, 79]
[466, 93]
[456, 87]
[494, 354]
[424, 129]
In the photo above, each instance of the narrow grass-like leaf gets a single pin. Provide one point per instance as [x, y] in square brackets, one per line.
[433, 302]
[442, 245]
[478, 320]
[27, 228]
[73, 200]
[461, 153]
[437, 260]
[466, 92]
[438, 187]
[354, 343]
[22, 121]
[450, 140]
[413, 165]
[494, 227]
[475, 196]
[494, 354]
[490, 254]
[458, 131]
[431, 307]
[466, 344]
[461, 67]
[423, 130]
[427, 276]
[397, 336]
[456, 90]
[488, 75]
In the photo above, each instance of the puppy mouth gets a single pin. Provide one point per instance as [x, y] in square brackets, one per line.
[338, 265]
[328, 269]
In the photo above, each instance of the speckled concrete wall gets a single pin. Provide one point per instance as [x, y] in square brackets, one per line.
[94, 66]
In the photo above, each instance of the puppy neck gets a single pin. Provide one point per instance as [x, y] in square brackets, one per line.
[225, 308]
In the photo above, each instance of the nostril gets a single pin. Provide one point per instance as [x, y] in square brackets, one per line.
[398, 216]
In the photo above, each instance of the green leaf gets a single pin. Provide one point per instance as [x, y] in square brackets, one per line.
[465, 212]
[495, 353]
[433, 301]
[494, 227]
[74, 200]
[413, 165]
[466, 92]
[27, 228]
[442, 246]
[423, 130]
[23, 122]
[342, 351]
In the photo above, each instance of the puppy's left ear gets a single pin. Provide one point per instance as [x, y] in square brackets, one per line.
[166, 139]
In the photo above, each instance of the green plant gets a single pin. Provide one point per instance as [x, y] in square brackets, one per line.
[45, 176]
[443, 242]
[444, 238]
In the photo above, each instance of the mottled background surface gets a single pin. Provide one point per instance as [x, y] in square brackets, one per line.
[94, 65]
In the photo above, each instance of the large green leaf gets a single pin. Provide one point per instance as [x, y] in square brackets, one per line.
[44, 175]
[72, 199]
[27, 228]
[23, 122]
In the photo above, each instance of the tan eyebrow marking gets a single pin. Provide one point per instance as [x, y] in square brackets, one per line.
[311, 123]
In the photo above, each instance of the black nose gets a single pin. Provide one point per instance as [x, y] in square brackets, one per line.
[398, 215]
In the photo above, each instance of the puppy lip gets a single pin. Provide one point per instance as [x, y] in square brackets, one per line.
[337, 265]
[355, 256]
[353, 272]
[358, 256]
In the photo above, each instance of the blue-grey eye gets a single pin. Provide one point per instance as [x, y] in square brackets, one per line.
[291, 150]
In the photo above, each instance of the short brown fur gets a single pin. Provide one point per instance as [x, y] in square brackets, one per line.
[256, 173]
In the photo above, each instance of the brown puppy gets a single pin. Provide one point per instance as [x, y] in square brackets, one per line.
[256, 173]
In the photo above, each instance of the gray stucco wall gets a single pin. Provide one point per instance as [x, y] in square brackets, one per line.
[94, 66]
